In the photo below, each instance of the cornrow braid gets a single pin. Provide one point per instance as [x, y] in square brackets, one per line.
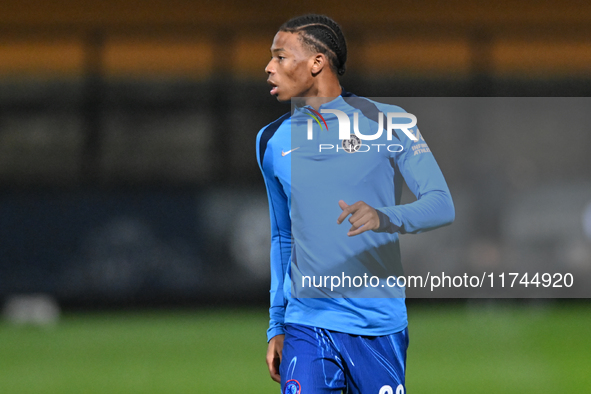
[321, 34]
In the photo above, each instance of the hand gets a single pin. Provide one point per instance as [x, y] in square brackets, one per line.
[363, 217]
[274, 356]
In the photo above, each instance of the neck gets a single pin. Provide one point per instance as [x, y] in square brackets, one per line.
[327, 89]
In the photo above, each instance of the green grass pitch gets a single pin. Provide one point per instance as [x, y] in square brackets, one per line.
[478, 348]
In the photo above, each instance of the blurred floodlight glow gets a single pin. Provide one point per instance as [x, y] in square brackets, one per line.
[37, 309]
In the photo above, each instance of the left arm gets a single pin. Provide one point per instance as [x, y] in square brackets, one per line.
[433, 208]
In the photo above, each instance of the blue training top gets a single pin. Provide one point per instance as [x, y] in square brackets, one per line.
[307, 169]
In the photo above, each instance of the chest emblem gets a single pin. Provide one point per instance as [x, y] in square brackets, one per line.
[289, 151]
[352, 144]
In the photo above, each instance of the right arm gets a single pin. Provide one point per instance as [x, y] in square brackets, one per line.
[280, 253]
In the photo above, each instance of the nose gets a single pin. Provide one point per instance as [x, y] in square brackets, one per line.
[269, 67]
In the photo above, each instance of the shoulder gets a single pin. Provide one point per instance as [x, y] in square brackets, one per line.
[271, 128]
[364, 103]
[266, 133]
[370, 108]
[388, 108]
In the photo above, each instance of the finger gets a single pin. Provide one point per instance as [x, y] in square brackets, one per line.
[343, 204]
[359, 209]
[364, 224]
[274, 369]
[360, 218]
[357, 220]
[353, 232]
[275, 376]
[346, 212]
[343, 216]
[358, 215]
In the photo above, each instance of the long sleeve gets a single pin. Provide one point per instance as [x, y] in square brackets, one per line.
[434, 206]
[280, 238]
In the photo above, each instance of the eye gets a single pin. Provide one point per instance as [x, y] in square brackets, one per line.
[280, 58]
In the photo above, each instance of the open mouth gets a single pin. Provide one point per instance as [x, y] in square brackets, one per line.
[273, 88]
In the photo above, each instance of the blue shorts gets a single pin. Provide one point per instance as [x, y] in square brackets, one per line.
[316, 360]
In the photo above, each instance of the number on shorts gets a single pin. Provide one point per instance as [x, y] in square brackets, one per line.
[388, 389]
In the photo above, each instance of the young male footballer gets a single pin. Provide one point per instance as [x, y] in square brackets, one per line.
[350, 336]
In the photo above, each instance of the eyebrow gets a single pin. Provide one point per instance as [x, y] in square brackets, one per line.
[277, 50]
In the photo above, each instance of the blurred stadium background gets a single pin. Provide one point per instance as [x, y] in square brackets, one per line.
[130, 197]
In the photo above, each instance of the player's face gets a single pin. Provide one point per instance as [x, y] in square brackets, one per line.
[290, 68]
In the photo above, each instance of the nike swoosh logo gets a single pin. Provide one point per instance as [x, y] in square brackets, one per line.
[289, 151]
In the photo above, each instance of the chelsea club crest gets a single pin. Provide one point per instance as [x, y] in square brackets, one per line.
[292, 387]
[352, 145]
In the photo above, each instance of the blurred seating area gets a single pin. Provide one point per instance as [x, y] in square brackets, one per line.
[143, 93]
[127, 121]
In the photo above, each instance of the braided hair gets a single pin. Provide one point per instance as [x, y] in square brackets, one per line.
[321, 34]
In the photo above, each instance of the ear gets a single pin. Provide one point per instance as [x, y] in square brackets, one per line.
[319, 62]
